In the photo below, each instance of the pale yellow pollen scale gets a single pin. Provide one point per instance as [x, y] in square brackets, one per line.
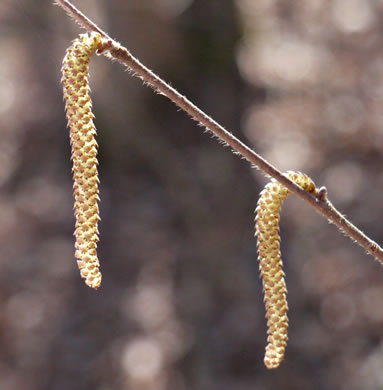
[78, 106]
[270, 263]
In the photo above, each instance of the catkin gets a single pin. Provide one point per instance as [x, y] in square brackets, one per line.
[270, 263]
[78, 106]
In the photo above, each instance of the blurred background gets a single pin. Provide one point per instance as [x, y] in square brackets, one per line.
[181, 304]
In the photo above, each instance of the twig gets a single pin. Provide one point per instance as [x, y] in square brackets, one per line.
[320, 202]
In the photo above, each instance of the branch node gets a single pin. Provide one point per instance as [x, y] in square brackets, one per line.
[107, 45]
[322, 193]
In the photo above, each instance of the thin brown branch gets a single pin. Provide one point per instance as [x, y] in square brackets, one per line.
[320, 203]
[79, 17]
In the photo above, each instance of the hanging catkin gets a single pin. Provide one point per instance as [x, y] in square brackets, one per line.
[78, 106]
[270, 263]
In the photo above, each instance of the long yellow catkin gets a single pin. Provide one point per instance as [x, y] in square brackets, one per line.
[270, 263]
[78, 106]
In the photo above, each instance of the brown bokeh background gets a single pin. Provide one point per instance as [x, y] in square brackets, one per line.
[181, 303]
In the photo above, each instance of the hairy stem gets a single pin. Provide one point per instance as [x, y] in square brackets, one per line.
[320, 203]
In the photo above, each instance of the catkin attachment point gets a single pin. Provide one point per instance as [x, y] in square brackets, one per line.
[270, 263]
[78, 106]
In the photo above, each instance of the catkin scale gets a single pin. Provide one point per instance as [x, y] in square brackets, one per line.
[78, 106]
[271, 266]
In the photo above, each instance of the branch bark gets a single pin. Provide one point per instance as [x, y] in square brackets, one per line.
[319, 201]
